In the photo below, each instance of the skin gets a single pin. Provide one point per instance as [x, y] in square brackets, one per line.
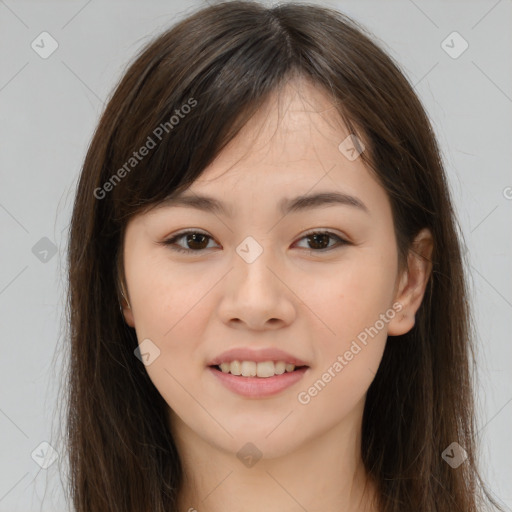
[310, 304]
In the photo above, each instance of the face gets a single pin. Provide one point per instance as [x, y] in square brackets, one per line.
[316, 285]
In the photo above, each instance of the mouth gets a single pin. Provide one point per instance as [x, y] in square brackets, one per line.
[257, 373]
[260, 380]
[262, 369]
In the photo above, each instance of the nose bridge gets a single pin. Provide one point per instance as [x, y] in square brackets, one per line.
[254, 295]
[253, 262]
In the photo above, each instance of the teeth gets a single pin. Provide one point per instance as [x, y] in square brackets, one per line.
[249, 369]
[289, 367]
[253, 369]
[279, 367]
[235, 368]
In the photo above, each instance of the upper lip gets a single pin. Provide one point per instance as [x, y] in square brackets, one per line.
[256, 355]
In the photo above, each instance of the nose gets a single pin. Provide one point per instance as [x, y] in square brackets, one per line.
[256, 294]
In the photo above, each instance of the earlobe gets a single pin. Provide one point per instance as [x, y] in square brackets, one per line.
[400, 324]
[413, 282]
[127, 313]
[126, 309]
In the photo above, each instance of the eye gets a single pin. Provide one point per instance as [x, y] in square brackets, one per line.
[319, 239]
[198, 241]
[195, 238]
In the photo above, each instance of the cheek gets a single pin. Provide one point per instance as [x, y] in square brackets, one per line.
[170, 309]
[356, 308]
[352, 295]
[347, 361]
[166, 298]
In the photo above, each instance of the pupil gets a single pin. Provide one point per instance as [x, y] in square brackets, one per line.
[193, 237]
[315, 238]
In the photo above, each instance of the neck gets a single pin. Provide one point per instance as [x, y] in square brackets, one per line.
[324, 473]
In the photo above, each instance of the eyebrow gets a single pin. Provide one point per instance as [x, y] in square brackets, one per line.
[285, 206]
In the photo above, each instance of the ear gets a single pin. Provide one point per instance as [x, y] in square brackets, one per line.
[127, 313]
[126, 308]
[412, 282]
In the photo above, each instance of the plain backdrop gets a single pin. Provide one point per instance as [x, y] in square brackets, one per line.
[50, 106]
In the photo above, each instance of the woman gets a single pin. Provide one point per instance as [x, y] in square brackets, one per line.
[267, 302]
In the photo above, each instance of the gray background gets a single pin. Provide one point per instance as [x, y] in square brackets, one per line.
[50, 107]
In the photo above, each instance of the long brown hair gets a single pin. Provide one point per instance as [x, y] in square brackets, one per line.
[185, 96]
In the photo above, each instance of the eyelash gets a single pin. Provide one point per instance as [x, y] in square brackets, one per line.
[171, 241]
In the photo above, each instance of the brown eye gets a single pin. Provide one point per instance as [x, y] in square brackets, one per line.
[318, 241]
[195, 241]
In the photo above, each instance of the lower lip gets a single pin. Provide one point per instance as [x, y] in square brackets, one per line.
[259, 387]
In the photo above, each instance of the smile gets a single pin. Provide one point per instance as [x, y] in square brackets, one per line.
[262, 369]
[247, 383]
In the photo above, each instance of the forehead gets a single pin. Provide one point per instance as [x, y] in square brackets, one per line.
[299, 122]
[290, 147]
